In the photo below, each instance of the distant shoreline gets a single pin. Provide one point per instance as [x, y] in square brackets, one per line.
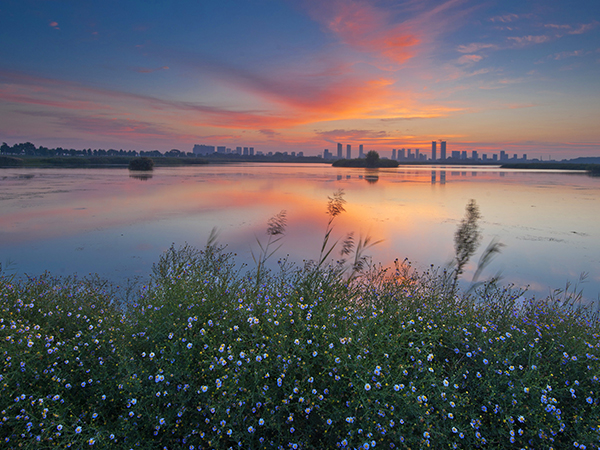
[166, 161]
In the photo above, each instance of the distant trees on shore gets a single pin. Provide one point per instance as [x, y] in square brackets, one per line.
[29, 149]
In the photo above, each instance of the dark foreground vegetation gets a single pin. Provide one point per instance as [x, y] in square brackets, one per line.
[344, 355]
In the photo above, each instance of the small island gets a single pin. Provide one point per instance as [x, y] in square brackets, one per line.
[372, 161]
[141, 164]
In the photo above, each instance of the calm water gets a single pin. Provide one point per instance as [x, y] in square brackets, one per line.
[104, 221]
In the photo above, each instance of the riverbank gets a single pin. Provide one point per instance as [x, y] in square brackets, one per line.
[207, 356]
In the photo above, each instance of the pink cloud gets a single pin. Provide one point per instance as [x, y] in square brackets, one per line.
[475, 47]
[527, 40]
[584, 28]
[365, 28]
[563, 55]
[507, 18]
[469, 59]
[54, 25]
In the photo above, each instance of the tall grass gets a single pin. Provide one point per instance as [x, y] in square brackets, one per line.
[309, 357]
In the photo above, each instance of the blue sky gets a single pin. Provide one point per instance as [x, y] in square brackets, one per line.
[303, 75]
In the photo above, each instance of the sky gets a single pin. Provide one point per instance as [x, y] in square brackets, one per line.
[303, 75]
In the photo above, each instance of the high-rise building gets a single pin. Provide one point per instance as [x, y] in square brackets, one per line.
[361, 152]
[348, 151]
[221, 149]
[443, 150]
[433, 150]
[417, 154]
[251, 151]
[474, 155]
[238, 150]
[503, 155]
[203, 149]
[409, 154]
[339, 152]
[401, 155]
[394, 154]
[326, 154]
[464, 154]
[245, 151]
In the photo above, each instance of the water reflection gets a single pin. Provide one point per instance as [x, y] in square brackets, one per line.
[141, 176]
[103, 220]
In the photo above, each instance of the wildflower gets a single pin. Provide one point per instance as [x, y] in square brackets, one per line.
[590, 400]
[78, 430]
[204, 388]
[189, 345]
[92, 441]
[367, 387]
[445, 382]
[350, 419]
[261, 421]
[250, 429]
[329, 421]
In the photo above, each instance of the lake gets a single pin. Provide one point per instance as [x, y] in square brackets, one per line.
[107, 222]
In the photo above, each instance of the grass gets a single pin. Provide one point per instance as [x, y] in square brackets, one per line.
[308, 358]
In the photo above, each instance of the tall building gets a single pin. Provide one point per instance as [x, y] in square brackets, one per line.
[401, 155]
[221, 149]
[503, 155]
[361, 152]
[394, 154]
[463, 154]
[203, 149]
[474, 155]
[433, 150]
[339, 152]
[238, 150]
[251, 151]
[443, 150]
[417, 155]
[326, 154]
[245, 151]
[348, 151]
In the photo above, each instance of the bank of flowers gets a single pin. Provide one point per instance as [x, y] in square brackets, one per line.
[207, 358]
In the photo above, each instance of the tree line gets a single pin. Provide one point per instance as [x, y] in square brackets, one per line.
[29, 149]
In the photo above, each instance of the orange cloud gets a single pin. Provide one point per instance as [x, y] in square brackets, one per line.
[366, 28]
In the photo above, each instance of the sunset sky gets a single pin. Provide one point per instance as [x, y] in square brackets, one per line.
[302, 75]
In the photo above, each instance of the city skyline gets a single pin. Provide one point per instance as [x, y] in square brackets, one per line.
[302, 76]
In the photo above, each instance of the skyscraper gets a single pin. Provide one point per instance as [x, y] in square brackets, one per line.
[443, 150]
[361, 152]
[339, 153]
[433, 150]
[348, 151]
[394, 154]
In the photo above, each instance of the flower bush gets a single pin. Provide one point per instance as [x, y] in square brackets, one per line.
[204, 357]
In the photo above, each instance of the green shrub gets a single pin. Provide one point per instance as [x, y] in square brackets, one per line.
[143, 163]
[206, 357]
